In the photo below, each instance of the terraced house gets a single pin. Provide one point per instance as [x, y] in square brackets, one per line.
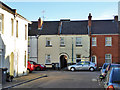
[61, 42]
[105, 41]
[13, 40]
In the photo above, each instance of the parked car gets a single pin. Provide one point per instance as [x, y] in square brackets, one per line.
[30, 67]
[112, 80]
[111, 65]
[104, 68]
[83, 65]
[38, 67]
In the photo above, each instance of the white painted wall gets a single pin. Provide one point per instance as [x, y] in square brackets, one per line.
[12, 44]
[33, 48]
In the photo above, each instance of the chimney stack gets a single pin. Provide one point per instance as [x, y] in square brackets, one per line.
[116, 18]
[89, 20]
[40, 22]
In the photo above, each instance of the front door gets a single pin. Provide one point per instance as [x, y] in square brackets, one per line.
[63, 61]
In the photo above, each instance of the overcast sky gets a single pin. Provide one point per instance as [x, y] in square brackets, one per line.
[53, 10]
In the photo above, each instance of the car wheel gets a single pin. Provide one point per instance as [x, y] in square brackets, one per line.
[38, 68]
[72, 69]
[91, 69]
[29, 71]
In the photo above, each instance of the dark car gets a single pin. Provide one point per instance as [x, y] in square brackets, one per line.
[38, 67]
[104, 68]
[112, 80]
[109, 67]
[30, 67]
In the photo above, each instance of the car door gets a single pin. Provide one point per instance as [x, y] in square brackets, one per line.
[79, 66]
[86, 65]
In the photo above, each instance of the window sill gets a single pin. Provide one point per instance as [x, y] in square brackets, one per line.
[48, 45]
[79, 45]
[62, 45]
[48, 64]
[94, 45]
[108, 45]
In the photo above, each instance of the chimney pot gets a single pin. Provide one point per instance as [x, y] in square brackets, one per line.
[89, 20]
[40, 22]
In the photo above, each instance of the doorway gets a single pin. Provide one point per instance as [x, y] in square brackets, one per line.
[12, 64]
[63, 61]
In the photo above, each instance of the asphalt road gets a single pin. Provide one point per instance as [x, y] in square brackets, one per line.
[65, 79]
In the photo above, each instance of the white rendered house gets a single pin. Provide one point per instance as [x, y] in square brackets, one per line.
[13, 41]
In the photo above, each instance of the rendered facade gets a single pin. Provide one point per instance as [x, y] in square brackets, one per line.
[13, 41]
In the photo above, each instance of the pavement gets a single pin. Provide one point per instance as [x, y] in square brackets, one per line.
[24, 79]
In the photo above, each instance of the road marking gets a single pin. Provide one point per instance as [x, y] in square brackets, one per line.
[94, 79]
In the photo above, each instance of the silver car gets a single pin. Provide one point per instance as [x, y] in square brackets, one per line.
[112, 79]
[83, 65]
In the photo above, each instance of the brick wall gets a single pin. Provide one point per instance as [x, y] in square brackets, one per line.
[100, 50]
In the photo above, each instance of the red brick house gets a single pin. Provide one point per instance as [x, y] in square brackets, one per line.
[104, 41]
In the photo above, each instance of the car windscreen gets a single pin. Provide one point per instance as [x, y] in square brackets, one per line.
[105, 65]
[115, 66]
[116, 76]
[31, 62]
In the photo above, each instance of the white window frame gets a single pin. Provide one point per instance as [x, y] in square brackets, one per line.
[78, 40]
[110, 40]
[46, 58]
[94, 41]
[48, 40]
[62, 42]
[95, 59]
[108, 58]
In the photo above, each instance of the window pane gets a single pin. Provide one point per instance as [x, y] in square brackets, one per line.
[78, 40]
[108, 58]
[93, 41]
[108, 61]
[93, 59]
[61, 41]
[48, 42]
[78, 58]
[48, 59]
[108, 41]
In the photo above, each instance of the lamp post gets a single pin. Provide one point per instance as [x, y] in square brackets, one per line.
[72, 50]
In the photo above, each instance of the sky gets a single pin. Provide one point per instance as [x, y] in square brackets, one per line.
[74, 10]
